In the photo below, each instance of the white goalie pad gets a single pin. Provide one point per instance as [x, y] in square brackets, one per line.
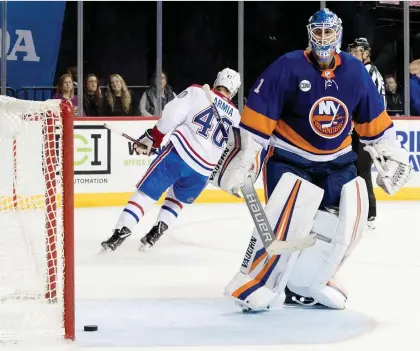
[290, 211]
[314, 270]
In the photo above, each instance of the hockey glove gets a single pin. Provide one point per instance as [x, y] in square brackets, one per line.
[391, 161]
[149, 142]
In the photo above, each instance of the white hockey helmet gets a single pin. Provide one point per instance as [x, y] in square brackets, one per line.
[229, 79]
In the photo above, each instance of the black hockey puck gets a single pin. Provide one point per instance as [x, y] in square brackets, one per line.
[90, 328]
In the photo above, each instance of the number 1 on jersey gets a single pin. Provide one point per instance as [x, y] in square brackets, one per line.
[257, 89]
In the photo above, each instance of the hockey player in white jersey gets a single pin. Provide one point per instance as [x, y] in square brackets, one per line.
[186, 162]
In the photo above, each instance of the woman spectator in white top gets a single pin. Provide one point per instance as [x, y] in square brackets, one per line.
[148, 102]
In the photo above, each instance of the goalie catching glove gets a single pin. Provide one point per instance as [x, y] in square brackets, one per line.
[149, 142]
[391, 161]
[237, 163]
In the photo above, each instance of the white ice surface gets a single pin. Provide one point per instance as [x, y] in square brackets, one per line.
[170, 298]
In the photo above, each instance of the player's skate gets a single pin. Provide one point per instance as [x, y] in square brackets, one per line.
[116, 239]
[153, 236]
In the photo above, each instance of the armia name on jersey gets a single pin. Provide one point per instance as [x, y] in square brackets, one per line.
[225, 107]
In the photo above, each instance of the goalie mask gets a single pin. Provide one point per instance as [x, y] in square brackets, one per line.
[325, 34]
[229, 79]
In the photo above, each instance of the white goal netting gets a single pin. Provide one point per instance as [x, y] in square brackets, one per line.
[31, 231]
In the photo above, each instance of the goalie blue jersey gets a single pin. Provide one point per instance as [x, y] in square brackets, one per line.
[297, 107]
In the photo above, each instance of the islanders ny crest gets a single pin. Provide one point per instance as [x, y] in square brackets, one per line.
[328, 117]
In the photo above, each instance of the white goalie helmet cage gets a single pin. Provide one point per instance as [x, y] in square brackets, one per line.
[230, 79]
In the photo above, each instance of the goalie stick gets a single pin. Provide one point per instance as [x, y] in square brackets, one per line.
[272, 245]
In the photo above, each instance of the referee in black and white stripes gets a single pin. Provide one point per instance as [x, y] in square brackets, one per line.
[361, 49]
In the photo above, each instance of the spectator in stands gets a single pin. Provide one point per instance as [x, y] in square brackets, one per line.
[415, 88]
[148, 102]
[394, 100]
[92, 96]
[118, 99]
[65, 90]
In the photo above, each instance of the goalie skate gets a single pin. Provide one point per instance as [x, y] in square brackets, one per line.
[116, 239]
[150, 239]
[293, 299]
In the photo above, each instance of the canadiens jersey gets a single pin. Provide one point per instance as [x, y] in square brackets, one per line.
[197, 136]
[299, 108]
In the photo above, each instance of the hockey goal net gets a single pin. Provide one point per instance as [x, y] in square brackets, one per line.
[36, 221]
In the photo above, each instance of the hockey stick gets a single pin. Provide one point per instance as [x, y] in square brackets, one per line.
[267, 236]
[332, 121]
[271, 244]
[107, 126]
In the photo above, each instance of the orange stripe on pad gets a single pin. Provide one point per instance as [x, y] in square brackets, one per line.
[267, 156]
[257, 262]
[356, 223]
[287, 212]
[233, 153]
[255, 281]
[359, 209]
[257, 161]
[280, 234]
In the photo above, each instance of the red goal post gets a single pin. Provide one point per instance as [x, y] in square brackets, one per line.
[36, 221]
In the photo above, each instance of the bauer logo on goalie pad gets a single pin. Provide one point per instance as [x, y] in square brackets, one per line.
[257, 210]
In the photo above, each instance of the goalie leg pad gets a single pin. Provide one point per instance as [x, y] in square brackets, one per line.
[313, 273]
[261, 298]
[239, 160]
[290, 211]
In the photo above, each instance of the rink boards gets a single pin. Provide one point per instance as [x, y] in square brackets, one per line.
[107, 175]
[107, 169]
